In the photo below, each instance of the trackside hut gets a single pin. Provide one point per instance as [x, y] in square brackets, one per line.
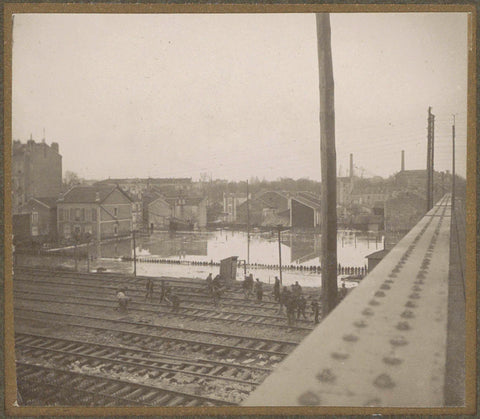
[41, 214]
[305, 212]
[99, 212]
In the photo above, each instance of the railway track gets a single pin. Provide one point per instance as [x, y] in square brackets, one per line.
[111, 358]
[74, 348]
[160, 338]
[193, 290]
[188, 298]
[206, 315]
[57, 386]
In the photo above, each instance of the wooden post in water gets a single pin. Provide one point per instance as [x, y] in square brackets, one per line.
[328, 163]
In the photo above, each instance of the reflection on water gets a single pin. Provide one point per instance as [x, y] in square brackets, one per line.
[296, 248]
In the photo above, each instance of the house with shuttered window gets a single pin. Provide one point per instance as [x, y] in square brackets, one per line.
[94, 212]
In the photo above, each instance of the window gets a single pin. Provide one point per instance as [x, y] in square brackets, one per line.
[115, 212]
[115, 229]
[77, 214]
[94, 214]
[60, 215]
[82, 215]
[72, 214]
[34, 218]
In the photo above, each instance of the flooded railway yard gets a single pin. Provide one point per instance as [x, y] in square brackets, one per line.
[74, 347]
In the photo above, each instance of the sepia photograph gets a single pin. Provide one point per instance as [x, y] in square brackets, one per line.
[257, 210]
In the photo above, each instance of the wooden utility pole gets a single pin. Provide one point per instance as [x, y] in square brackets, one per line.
[453, 165]
[280, 252]
[248, 227]
[88, 256]
[328, 162]
[134, 254]
[430, 158]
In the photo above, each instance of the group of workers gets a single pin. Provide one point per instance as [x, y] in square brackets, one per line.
[215, 288]
[292, 299]
[166, 294]
[294, 302]
[251, 287]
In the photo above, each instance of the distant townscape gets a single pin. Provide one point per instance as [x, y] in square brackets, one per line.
[51, 211]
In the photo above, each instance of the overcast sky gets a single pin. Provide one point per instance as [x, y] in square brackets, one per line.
[236, 96]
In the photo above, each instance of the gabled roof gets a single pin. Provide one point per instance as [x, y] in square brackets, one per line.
[49, 202]
[189, 200]
[89, 194]
[309, 202]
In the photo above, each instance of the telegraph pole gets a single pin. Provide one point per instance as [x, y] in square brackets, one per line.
[430, 158]
[280, 251]
[248, 227]
[453, 165]
[328, 163]
[134, 254]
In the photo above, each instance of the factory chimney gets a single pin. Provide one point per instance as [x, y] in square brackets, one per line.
[351, 166]
[403, 161]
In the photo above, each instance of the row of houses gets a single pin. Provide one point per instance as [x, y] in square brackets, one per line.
[103, 211]
[271, 208]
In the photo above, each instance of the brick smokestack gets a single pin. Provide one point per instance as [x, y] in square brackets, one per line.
[351, 165]
[403, 161]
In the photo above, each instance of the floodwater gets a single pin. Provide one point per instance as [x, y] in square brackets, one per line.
[296, 249]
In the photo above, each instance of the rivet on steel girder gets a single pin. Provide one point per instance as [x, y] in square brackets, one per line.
[391, 360]
[367, 312]
[408, 314]
[360, 324]
[403, 326]
[399, 341]
[385, 287]
[339, 355]
[373, 303]
[416, 288]
[309, 398]
[326, 376]
[384, 381]
[350, 338]
[379, 294]
[415, 295]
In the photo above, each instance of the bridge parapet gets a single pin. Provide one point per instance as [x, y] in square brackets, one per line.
[386, 343]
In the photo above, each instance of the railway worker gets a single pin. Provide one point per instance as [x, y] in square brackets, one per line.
[276, 289]
[216, 294]
[245, 287]
[122, 300]
[250, 285]
[149, 287]
[217, 281]
[284, 296]
[175, 299]
[259, 290]
[297, 289]
[301, 305]
[291, 305]
[162, 290]
[315, 309]
[209, 281]
[167, 294]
